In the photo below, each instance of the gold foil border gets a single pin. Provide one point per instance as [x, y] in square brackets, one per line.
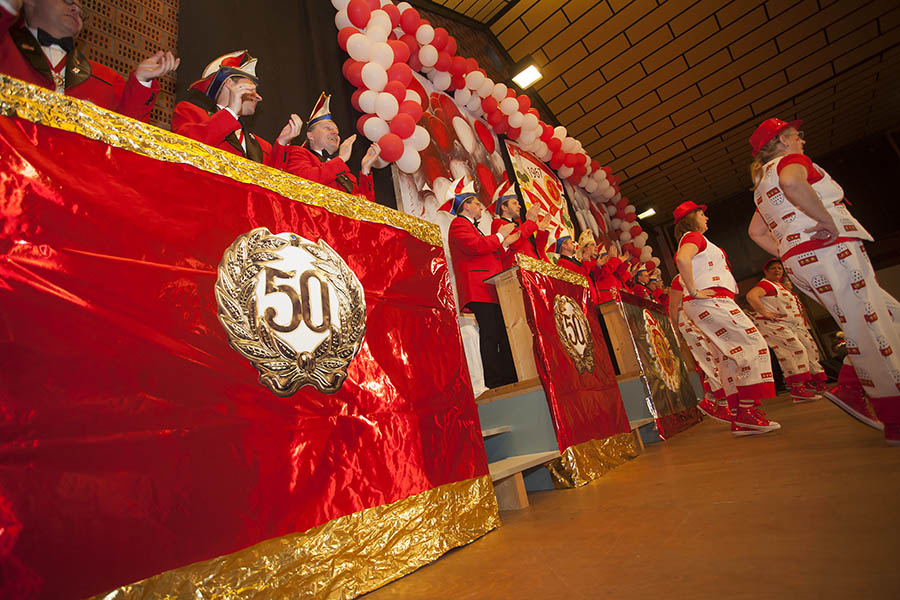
[550, 270]
[582, 463]
[344, 558]
[46, 107]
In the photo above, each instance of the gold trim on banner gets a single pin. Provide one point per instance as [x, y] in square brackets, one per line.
[46, 107]
[550, 270]
[344, 558]
[582, 463]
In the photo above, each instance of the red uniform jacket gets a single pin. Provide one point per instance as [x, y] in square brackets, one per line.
[475, 257]
[334, 173]
[21, 57]
[575, 265]
[525, 244]
[199, 118]
[605, 281]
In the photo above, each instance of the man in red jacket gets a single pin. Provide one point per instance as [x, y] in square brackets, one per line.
[325, 159]
[566, 249]
[533, 232]
[215, 104]
[38, 47]
[476, 257]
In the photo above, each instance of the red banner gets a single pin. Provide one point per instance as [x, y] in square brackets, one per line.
[572, 360]
[136, 435]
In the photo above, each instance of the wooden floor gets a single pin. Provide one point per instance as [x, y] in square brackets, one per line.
[810, 511]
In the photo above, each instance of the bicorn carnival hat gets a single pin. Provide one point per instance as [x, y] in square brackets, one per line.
[233, 64]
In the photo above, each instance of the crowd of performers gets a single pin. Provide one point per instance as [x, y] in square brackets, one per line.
[801, 218]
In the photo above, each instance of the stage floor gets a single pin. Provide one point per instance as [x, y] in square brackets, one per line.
[810, 511]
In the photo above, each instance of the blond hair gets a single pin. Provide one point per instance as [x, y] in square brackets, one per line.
[765, 154]
[687, 223]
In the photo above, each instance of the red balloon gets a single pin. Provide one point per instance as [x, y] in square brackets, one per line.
[414, 63]
[443, 62]
[620, 214]
[440, 38]
[401, 51]
[554, 145]
[595, 166]
[524, 103]
[457, 82]
[353, 72]
[393, 12]
[535, 112]
[631, 217]
[502, 127]
[607, 170]
[359, 11]
[374, 4]
[391, 147]
[635, 231]
[401, 73]
[354, 99]
[396, 89]
[489, 104]
[571, 160]
[510, 93]
[622, 203]
[458, 66]
[558, 159]
[362, 121]
[514, 133]
[487, 140]
[409, 20]
[650, 265]
[403, 125]
[451, 46]
[411, 44]
[494, 118]
[471, 65]
[412, 109]
[344, 34]
[635, 252]
[546, 132]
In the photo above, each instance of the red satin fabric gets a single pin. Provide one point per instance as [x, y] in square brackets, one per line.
[133, 439]
[584, 406]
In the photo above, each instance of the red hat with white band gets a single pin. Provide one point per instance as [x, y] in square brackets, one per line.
[767, 130]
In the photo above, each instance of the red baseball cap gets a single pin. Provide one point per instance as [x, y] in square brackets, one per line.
[686, 208]
[767, 130]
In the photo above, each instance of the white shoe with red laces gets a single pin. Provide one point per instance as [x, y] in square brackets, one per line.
[800, 394]
[752, 421]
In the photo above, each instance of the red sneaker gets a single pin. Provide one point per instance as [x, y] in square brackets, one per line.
[752, 421]
[818, 386]
[707, 407]
[721, 413]
[892, 434]
[800, 394]
[852, 400]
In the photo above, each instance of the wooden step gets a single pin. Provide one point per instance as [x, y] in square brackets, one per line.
[485, 433]
[502, 469]
[507, 391]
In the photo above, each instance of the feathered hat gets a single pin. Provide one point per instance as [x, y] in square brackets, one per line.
[561, 236]
[502, 194]
[586, 237]
[459, 191]
[321, 111]
[233, 64]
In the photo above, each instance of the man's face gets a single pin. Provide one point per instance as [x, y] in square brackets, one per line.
[568, 248]
[324, 135]
[775, 272]
[653, 285]
[602, 257]
[589, 250]
[59, 18]
[472, 208]
[643, 277]
[512, 209]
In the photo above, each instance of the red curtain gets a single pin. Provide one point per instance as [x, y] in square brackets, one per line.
[134, 439]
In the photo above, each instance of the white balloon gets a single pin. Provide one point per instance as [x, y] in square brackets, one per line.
[499, 91]
[374, 76]
[610, 210]
[609, 192]
[340, 4]
[410, 160]
[375, 128]
[530, 121]
[591, 186]
[464, 133]
[428, 55]
[616, 224]
[625, 237]
[629, 209]
[341, 20]
[442, 80]
[419, 139]
[414, 96]
[617, 197]
[655, 261]
[474, 104]
[462, 96]
[515, 120]
[599, 175]
[559, 133]
[526, 138]
[382, 54]
[424, 34]
[367, 101]
[603, 186]
[583, 181]
[359, 47]
[379, 18]
[386, 106]
[403, 6]
[485, 90]
[568, 145]
[640, 244]
[565, 172]
[474, 80]
[508, 106]
[377, 34]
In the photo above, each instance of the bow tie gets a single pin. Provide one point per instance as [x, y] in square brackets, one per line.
[326, 155]
[45, 39]
[476, 222]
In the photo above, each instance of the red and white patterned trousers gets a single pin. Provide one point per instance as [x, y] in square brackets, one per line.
[791, 352]
[705, 354]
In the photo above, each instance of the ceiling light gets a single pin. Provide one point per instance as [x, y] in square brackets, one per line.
[527, 76]
[647, 213]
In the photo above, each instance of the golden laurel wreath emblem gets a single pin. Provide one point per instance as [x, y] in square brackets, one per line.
[667, 364]
[574, 332]
[283, 368]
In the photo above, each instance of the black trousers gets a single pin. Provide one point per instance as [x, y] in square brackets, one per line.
[496, 357]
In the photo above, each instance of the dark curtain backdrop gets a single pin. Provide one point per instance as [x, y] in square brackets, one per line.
[296, 44]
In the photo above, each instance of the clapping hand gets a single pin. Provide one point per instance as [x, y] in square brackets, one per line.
[291, 130]
[159, 64]
[369, 159]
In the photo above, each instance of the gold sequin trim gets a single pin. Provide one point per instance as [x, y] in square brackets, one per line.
[582, 463]
[344, 558]
[550, 270]
[46, 107]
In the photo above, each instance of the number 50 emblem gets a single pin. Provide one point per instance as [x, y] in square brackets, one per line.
[574, 332]
[293, 308]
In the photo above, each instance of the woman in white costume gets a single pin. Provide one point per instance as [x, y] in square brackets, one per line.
[802, 218]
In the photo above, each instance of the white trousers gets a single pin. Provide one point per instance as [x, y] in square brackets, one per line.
[705, 354]
[791, 353]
